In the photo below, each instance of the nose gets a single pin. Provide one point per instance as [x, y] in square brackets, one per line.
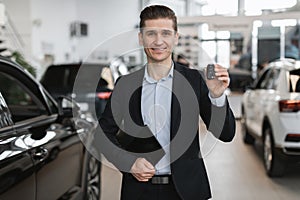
[158, 39]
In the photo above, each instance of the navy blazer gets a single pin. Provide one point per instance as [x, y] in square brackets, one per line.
[189, 100]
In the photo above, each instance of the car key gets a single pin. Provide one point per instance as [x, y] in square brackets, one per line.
[210, 71]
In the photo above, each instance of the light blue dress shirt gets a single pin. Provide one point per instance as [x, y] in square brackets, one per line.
[156, 112]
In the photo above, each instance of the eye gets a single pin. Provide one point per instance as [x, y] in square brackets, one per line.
[166, 33]
[150, 33]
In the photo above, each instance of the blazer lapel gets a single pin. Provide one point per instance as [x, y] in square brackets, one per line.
[175, 105]
[135, 102]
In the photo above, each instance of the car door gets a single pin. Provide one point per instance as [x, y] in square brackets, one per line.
[50, 139]
[260, 99]
[254, 103]
[17, 171]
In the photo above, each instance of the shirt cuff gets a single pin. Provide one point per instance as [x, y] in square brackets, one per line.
[219, 101]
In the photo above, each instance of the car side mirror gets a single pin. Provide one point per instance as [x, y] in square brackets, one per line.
[68, 107]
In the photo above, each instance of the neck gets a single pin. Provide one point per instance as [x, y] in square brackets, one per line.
[158, 71]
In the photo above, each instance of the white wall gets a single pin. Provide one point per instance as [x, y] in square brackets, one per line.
[179, 7]
[111, 28]
[50, 32]
[19, 13]
[52, 19]
[108, 26]
[2, 14]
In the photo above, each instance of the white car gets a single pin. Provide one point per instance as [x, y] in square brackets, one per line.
[271, 113]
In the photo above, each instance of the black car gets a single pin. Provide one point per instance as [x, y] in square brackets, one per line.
[240, 79]
[41, 154]
[90, 84]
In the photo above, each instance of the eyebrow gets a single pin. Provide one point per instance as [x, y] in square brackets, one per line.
[146, 30]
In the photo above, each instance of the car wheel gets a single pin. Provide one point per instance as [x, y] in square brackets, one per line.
[247, 138]
[273, 164]
[93, 179]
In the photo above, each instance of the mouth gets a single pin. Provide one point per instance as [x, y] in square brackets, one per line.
[158, 50]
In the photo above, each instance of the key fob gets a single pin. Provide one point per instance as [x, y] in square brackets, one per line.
[210, 71]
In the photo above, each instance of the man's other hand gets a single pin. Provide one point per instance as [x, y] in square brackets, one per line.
[142, 170]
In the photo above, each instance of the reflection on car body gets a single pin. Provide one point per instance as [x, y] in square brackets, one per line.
[41, 154]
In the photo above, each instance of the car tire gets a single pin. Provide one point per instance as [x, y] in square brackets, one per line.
[92, 179]
[274, 165]
[247, 137]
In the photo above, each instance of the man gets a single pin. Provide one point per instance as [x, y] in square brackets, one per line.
[166, 99]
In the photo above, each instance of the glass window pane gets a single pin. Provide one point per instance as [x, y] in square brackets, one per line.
[21, 102]
[223, 53]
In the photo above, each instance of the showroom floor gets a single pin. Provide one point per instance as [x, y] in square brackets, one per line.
[235, 171]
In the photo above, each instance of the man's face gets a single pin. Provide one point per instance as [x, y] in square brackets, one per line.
[158, 38]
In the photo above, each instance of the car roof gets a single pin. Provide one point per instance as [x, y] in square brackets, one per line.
[72, 69]
[287, 64]
[78, 65]
[14, 64]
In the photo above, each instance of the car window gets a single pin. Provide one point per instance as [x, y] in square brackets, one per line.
[5, 116]
[262, 80]
[22, 103]
[269, 79]
[84, 78]
[86, 82]
[52, 106]
[56, 80]
[272, 79]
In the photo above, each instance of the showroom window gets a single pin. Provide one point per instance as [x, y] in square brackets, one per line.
[216, 45]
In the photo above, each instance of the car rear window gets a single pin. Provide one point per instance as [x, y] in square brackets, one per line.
[60, 79]
[56, 78]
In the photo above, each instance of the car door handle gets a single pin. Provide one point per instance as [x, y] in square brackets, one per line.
[41, 154]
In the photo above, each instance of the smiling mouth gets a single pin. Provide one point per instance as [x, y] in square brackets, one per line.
[158, 49]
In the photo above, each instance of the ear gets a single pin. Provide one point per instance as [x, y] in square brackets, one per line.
[141, 39]
[176, 38]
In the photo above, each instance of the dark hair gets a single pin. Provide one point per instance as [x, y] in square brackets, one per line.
[156, 12]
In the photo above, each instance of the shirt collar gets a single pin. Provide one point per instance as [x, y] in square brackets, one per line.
[149, 79]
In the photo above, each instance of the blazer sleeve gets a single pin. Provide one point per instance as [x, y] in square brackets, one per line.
[106, 137]
[220, 121]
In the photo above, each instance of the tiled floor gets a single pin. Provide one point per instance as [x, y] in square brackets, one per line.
[235, 171]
